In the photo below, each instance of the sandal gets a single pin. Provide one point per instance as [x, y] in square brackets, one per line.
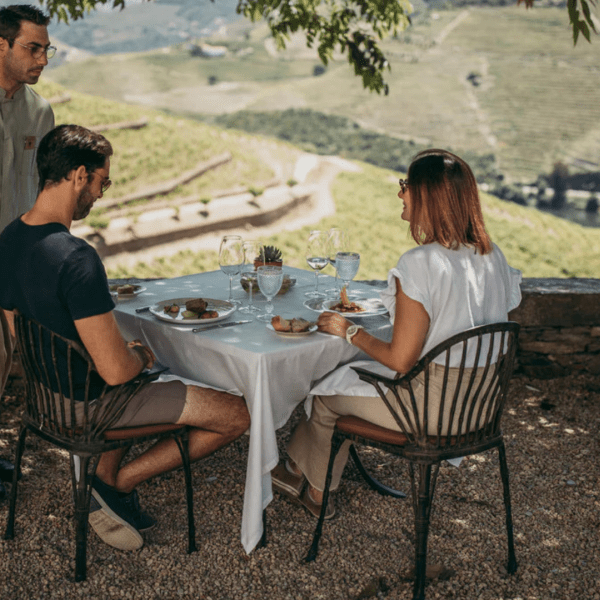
[315, 509]
[286, 483]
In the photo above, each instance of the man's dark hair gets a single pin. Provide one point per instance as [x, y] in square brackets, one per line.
[12, 16]
[66, 148]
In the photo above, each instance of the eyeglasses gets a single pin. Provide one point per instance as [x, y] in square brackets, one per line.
[37, 50]
[403, 185]
[104, 185]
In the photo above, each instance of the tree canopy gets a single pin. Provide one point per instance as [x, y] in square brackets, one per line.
[354, 27]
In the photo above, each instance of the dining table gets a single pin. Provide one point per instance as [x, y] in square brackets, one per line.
[273, 373]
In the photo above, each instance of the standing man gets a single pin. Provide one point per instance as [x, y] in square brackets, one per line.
[25, 118]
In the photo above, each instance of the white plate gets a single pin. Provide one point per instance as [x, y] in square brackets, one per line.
[223, 307]
[137, 289]
[372, 306]
[291, 333]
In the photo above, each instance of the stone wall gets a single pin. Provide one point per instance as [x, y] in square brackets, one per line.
[560, 327]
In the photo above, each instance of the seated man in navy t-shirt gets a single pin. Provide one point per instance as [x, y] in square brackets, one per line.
[59, 280]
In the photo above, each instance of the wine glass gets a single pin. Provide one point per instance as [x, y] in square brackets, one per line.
[337, 242]
[316, 257]
[270, 279]
[252, 249]
[346, 264]
[231, 259]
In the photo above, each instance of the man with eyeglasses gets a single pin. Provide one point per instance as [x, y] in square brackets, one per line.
[25, 118]
[58, 279]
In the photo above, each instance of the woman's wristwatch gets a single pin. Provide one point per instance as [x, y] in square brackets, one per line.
[351, 332]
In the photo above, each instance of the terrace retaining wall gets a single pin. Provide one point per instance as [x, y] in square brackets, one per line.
[560, 327]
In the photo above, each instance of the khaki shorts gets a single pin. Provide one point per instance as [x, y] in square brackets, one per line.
[161, 402]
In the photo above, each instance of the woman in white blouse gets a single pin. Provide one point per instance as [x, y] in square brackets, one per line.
[455, 279]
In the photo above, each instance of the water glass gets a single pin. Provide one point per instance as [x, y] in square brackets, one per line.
[231, 259]
[346, 264]
[270, 279]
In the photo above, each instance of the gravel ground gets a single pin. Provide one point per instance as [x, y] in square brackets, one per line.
[551, 432]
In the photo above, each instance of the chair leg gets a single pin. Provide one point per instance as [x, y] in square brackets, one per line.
[81, 496]
[422, 511]
[373, 483]
[336, 443]
[183, 445]
[511, 566]
[10, 525]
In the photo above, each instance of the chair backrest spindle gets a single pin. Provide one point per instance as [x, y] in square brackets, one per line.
[454, 396]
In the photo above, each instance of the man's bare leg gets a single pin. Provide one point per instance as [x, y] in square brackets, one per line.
[108, 465]
[218, 418]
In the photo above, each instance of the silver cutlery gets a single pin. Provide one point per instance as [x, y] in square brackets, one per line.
[220, 326]
[143, 309]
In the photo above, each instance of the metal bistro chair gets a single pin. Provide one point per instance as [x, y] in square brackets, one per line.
[467, 422]
[49, 360]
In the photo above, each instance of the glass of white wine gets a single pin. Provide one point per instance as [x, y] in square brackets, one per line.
[316, 257]
[231, 259]
[337, 240]
[252, 250]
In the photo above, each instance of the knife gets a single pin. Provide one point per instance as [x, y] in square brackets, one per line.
[220, 325]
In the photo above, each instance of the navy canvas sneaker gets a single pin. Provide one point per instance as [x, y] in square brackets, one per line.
[113, 516]
[141, 519]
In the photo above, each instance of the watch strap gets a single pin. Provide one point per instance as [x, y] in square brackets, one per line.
[352, 331]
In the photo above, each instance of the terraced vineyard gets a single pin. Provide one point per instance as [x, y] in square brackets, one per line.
[540, 93]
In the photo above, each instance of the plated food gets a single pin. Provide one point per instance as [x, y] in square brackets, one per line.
[361, 308]
[345, 306]
[192, 310]
[291, 327]
[125, 290]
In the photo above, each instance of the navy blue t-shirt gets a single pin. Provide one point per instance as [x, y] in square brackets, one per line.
[54, 277]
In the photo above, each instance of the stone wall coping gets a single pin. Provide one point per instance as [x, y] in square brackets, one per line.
[556, 285]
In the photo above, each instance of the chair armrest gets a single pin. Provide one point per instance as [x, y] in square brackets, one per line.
[374, 378]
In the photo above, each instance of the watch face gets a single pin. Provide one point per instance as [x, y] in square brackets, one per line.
[351, 331]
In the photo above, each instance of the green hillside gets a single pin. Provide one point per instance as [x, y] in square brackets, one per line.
[163, 149]
[499, 80]
[367, 206]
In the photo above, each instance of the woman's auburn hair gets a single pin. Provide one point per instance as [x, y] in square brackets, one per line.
[445, 205]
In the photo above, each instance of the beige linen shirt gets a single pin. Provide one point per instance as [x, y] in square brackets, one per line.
[24, 120]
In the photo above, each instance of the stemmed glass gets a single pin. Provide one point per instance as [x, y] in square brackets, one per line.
[231, 259]
[337, 242]
[252, 249]
[270, 279]
[316, 257]
[347, 264]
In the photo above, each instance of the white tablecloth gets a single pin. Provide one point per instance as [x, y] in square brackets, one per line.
[272, 372]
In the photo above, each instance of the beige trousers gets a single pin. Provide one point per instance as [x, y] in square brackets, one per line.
[5, 351]
[310, 444]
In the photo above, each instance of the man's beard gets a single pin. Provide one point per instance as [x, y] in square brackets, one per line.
[85, 202]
